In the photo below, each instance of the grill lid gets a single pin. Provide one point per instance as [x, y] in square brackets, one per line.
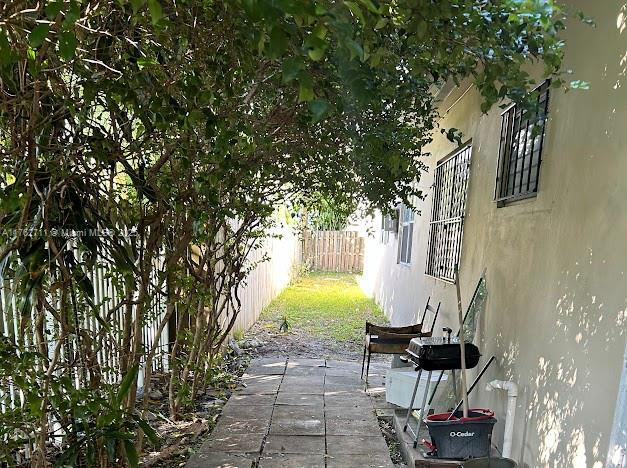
[416, 344]
[438, 354]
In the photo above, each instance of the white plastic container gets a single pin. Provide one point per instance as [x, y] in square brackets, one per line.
[399, 385]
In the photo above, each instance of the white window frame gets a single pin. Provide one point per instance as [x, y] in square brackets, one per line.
[385, 231]
[406, 219]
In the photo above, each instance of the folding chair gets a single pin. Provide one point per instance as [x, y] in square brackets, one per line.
[394, 340]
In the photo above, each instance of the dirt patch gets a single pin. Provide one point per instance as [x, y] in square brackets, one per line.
[265, 340]
[180, 439]
[262, 340]
[389, 433]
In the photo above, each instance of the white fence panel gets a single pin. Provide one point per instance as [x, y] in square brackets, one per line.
[269, 278]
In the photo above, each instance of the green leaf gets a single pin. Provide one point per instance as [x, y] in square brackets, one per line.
[136, 5]
[67, 45]
[356, 11]
[370, 6]
[355, 49]
[131, 453]
[381, 23]
[125, 386]
[144, 62]
[305, 91]
[110, 446]
[376, 56]
[148, 430]
[316, 54]
[72, 14]
[278, 42]
[291, 68]
[316, 46]
[320, 31]
[7, 55]
[156, 12]
[319, 109]
[52, 9]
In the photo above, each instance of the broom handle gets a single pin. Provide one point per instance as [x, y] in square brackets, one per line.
[462, 344]
[485, 368]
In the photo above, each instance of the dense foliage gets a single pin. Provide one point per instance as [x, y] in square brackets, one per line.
[185, 123]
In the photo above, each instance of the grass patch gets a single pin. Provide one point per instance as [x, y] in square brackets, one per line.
[326, 305]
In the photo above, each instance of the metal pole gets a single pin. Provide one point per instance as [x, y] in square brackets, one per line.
[462, 346]
[411, 403]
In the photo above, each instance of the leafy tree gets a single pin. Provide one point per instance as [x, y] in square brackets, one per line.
[185, 123]
[328, 215]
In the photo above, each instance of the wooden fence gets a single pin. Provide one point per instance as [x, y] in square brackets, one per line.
[338, 251]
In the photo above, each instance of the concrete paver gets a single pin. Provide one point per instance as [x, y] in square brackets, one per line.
[299, 426]
[235, 425]
[291, 460]
[350, 445]
[247, 412]
[234, 443]
[299, 399]
[252, 400]
[359, 461]
[220, 460]
[349, 427]
[294, 444]
[312, 389]
[299, 413]
[305, 371]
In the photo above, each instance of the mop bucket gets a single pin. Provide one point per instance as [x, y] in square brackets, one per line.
[459, 437]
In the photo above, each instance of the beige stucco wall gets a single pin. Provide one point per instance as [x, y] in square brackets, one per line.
[556, 316]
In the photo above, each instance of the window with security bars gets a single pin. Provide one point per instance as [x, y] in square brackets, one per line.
[405, 233]
[522, 137]
[447, 215]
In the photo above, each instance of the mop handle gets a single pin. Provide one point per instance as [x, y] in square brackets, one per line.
[474, 384]
[462, 344]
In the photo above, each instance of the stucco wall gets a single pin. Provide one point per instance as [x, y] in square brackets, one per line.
[556, 315]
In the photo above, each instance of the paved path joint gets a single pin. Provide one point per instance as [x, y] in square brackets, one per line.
[298, 413]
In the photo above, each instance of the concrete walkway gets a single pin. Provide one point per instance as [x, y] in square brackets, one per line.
[299, 413]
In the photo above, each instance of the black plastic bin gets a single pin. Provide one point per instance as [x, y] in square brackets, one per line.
[461, 438]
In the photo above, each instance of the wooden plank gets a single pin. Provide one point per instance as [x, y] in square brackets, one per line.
[355, 253]
[343, 252]
[340, 255]
[331, 251]
[347, 260]
[334, 250]
[320, 252]
[360, 253]
[321, 256]
[349, 254]
[329, 264]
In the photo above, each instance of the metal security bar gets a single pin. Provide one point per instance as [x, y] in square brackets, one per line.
[447, 215]
[522, 137]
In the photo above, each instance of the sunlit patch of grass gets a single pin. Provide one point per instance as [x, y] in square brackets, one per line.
[327, 305]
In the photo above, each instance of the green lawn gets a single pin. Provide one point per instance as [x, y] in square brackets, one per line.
[326, 305]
